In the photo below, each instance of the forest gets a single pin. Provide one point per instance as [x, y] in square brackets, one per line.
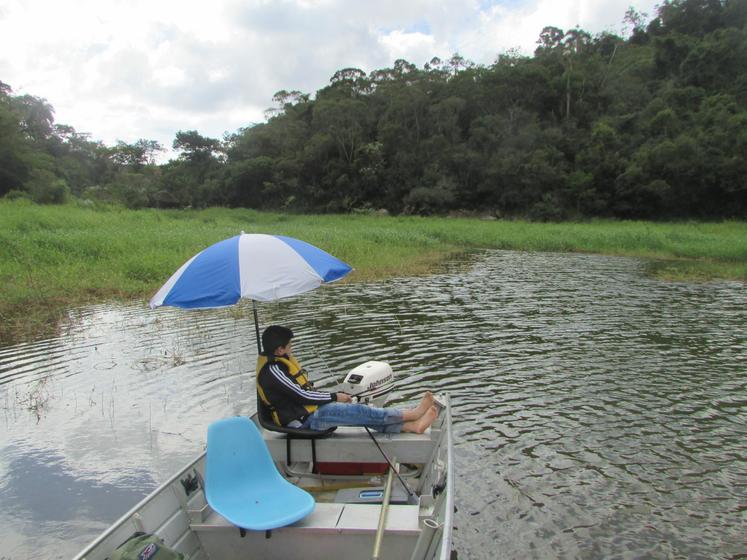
[649, 124]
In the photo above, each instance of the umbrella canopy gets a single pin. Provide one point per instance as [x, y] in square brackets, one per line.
[253, 266]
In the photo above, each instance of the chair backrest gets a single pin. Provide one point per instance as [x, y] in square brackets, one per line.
[236, 453]
[242, 483]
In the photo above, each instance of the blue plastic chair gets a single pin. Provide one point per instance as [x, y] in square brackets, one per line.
[242, 483]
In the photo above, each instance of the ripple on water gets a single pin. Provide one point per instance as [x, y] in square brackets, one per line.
[598, 413]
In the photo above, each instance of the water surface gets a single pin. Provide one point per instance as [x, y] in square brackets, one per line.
[598, 413]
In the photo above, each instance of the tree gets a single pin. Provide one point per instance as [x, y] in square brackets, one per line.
[718, 61]
[351, 82]
[194, 147]
[249, 178]
[550, 38]
[574, 42]
[46, 188]
[14, 149]
[458, 63]
[690, 17]
[345, 121]
[193, 179]
[150, 148]
[635, 23]
[284, 101]
[132, 155]
[651, 124]
[36, 117]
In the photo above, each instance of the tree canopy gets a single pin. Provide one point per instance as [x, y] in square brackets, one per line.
[651, 124]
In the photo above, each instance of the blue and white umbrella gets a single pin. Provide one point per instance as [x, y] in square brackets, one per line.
[253, 266]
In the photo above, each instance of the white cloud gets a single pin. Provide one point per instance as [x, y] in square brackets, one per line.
[411, 46]
[504, 26]
[129, 69]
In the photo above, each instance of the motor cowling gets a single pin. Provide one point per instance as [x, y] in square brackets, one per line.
[370, 382]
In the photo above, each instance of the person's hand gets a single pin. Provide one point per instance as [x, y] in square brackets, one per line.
[344, 397]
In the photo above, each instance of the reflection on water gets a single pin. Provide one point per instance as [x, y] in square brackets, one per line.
[39, 484]
[598, 413]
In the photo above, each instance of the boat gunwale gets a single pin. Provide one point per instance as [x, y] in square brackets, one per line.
[137, 507]
[448, 522]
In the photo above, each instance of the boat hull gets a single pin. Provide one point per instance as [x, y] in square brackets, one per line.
[419, 528]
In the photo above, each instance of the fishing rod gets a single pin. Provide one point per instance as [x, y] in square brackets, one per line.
[410, 493]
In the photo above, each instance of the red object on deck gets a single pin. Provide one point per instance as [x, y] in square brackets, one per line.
[351, 468]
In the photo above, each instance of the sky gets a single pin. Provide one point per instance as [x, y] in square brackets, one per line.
[131, 69]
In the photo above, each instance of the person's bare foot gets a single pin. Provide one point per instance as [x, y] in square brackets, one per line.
[425, 404]
[423, 423]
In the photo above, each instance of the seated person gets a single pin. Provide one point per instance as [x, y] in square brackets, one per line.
[284, 388]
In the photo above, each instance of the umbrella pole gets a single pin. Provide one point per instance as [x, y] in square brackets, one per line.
[256, 326]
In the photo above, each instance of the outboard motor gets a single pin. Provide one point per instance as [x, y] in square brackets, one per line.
[369, 383]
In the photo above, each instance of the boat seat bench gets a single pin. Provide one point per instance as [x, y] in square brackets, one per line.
[330, 527]
[334, 517]
[353, 445]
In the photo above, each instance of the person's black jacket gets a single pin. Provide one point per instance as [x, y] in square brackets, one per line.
[286, 397]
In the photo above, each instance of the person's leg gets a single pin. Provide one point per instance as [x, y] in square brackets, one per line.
[424, 406]
[388, 420]
[423, 423]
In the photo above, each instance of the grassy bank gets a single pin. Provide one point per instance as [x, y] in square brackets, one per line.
[52, 257]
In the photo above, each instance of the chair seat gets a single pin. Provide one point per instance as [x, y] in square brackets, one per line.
[242, 483]
[293, 433]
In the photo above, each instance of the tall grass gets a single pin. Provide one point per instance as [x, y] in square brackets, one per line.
[52, 257]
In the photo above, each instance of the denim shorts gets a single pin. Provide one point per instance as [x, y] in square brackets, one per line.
[387, 420]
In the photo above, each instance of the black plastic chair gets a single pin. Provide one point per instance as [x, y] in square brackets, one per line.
[265, 420]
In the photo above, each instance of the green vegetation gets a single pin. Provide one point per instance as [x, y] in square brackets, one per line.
[54, 257]
[589, 130]
[652, 125]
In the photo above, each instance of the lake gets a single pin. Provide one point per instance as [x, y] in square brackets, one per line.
[598, 413]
